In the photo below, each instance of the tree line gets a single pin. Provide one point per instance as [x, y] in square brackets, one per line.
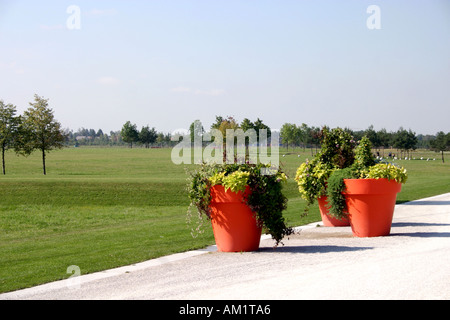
[35, 129]
[128, 136]
[293, 135]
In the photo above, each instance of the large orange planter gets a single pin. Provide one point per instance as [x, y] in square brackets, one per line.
[371, 204]
[330, 221]
[234, 224]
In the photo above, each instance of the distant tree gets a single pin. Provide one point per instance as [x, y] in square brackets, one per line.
[304, 134]
[227, 124]
[160, 139]
[219, 120]
[8, 129]
[288, 134]
[405, 140]
[441, 143]
[196, 130]
[40, 130]
[246, 124]
[315, 133]
[92, 133]
[372, 135]
[147, 136]
[129, 133]
[259, 125]
[384, 138]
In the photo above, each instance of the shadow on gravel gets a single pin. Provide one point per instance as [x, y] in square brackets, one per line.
[423, 234]
[311, 249]
[418, 224]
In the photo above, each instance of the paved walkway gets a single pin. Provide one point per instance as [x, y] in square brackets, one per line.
[317, 263]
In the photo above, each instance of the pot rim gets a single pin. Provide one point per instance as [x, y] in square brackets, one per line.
[371, 186]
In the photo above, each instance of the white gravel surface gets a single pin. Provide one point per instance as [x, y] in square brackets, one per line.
[316, 263]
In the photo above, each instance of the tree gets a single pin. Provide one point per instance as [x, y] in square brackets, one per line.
[372, 135]
[8, 128]
[384, 138]
[196, 130]
[441, 143]
[405, 140]
[219, 120]
[40, 130]
[129, 133]
[304, 134]
[288, 134]
[147, 136]
[246, 124]
[259, 125]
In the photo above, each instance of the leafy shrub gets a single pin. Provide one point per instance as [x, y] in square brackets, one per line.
[336, 185]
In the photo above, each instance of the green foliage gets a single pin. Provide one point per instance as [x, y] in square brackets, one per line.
[147, 136]
[39, 129]
[9, 124]
[386, 171]
[405, 140]
[441, 143]
[235, 181]
[337, 148]
[129, 133]
[336, 185]
[336, 153]
[266, 198]
[363, 155]
[311, 178]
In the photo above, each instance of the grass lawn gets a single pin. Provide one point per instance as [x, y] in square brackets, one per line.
[100, 208]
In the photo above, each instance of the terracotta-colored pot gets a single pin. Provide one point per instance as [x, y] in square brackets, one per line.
[234, 224]
[371, 204]
[328, 220]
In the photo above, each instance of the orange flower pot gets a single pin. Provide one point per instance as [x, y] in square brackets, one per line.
[330, 221]
[371, 204]
[234, 224]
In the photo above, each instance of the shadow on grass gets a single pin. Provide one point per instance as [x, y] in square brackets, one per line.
[311, 249]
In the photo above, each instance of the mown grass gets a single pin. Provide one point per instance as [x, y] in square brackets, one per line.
[100, 208]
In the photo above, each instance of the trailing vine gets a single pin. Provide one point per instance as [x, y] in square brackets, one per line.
[336, 185]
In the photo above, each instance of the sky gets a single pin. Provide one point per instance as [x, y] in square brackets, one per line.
[166, 63]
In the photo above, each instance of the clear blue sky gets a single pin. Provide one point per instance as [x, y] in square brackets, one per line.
[166, 63]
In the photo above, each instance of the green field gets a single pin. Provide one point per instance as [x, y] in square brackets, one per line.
[100, 208]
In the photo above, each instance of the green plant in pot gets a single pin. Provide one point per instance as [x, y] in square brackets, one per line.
[367, 192]
[336, 152]
[240, 200]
